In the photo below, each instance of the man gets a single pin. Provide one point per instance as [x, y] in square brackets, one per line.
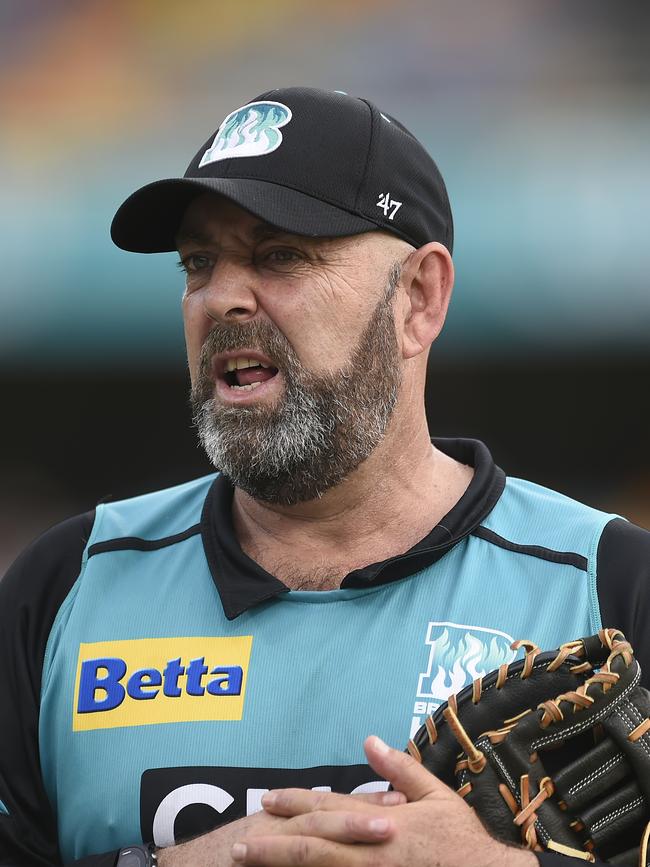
[177, 656]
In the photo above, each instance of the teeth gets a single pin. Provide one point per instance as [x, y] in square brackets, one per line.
[241, 363]
[248, 387]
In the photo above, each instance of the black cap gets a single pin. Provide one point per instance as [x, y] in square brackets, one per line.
[311, 162]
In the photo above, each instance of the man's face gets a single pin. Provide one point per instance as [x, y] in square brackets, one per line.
[292, 349]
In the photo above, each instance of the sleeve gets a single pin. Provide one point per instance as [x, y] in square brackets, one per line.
[623, 582]
[31, 593]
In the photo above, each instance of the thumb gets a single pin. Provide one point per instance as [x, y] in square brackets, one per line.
[401, 770]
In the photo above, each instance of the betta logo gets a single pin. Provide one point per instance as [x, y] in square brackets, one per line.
[458, 654]
[249, 131]
[160, 680]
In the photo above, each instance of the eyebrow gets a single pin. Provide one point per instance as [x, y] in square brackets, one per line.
[266, 230]
[260, 231]
[199, 237]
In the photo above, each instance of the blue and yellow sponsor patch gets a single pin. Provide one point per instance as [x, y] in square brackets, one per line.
[148, 681]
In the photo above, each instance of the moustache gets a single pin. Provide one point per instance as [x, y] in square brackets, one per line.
[260, 335]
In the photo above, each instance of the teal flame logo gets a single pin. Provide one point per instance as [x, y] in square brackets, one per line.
[458, 655]
[249, 131]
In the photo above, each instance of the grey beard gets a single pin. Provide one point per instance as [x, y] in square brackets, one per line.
[323, 427]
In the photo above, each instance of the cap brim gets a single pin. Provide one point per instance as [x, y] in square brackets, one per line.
[148, 221]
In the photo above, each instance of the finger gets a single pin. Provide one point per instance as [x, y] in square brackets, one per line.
[293, 802]
[341, 827]
[292, 851]
[380, 799]
[401, 769]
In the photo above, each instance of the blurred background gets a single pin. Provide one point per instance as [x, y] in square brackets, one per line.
[538, 116]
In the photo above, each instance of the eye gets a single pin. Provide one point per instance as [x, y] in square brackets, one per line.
[195, 263]
[280, 257]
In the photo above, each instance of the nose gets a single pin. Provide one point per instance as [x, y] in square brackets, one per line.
[230, 294]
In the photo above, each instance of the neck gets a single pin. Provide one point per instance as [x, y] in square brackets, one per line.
[382, 509]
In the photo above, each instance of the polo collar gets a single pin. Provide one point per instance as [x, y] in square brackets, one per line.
[242, 583]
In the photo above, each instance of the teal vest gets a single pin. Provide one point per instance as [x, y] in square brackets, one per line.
[155, 706]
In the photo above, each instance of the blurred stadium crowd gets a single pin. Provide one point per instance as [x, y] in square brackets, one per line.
[537, 114]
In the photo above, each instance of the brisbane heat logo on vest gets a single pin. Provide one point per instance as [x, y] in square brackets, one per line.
[149, 681]
[458, 654]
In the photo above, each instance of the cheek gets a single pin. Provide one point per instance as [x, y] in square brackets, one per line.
[301, 324]
[333, 324]
[322, 343]
[196, 330]
[321, 318]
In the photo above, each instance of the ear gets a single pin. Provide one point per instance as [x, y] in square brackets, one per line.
[427, 279]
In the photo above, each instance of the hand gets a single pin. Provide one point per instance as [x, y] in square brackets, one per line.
[435, 827]
[214, 848]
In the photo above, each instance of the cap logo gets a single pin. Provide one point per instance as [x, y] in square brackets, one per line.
[388, 205]
[249, 131]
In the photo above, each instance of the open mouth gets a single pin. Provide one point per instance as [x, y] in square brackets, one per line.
[242, 373]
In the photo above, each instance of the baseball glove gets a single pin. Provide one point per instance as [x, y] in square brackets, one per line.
[554, 750]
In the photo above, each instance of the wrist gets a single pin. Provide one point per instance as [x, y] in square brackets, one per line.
[137, 856]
